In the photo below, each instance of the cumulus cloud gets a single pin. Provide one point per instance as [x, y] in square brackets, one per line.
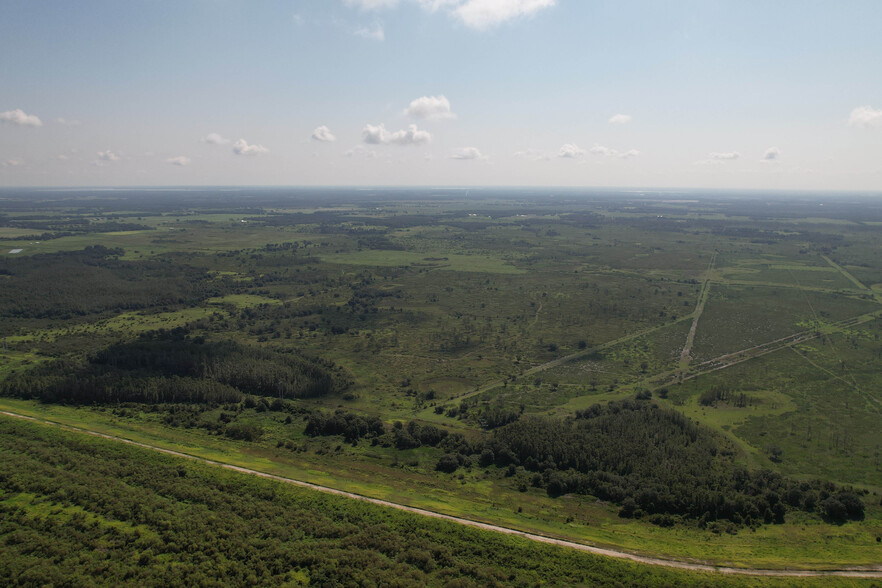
[719, 158]
[725, 156]
[378, 135]
[19, 118]
[533, 154]
[323, 134]
[214, 139]
[107, 156]
[619, 119]
[67, 122]
[360, 151]
[241, 147]
[430, 107]
[570, 151]
[771, 154]
[180, 160]
[862, 116]
[485, 14]
[475, 14]
[371, 4]
[610, 152]
[16, 162]
[466, 153]
[373, 33]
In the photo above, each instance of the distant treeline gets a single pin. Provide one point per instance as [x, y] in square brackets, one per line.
[650, 460]
[170, 366]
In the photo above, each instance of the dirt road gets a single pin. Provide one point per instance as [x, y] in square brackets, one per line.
[873, 572]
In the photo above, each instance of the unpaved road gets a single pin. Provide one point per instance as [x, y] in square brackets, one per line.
[686, 354]
[855, 572]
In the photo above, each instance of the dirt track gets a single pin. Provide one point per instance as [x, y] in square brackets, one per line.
[873, 572]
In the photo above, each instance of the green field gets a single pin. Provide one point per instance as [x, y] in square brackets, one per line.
[464, 319]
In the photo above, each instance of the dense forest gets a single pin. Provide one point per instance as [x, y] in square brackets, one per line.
[76, 510]
[171, 366]
[94, 280]
[651, 461]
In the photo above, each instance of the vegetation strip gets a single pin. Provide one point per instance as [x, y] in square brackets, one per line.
[873, 572]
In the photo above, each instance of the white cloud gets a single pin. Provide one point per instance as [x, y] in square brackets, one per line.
[533, 154]
[17, 162]
[466, 153]
[718, 158]
[475, 14]
[297, 19]
[619, 119]
[214, 139]
[430, 107]
[771, 154]
[485, 14]
[360, 151]
[241, 147]
[726, 156]
[20, 118]
[180, 160]
[63, 157]
[107, 156]
[865, 116]
[371, 4]
[570, 151]
[378, 135]
[433, 5]
[68, 122]
[374, 33]
[610, 152]
[323, 134]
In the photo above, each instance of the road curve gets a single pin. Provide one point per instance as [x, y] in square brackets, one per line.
[855, 572]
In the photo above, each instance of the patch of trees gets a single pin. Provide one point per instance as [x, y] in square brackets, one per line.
[57, 227]
[379, 242]
[722, 393]
[655, 461]
[170, 366]
[350, 425]
[354, 427]
[652, 462]
[94, 280]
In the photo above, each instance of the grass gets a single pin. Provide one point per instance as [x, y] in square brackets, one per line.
[477, 496]
[212, 513]
[487, 305]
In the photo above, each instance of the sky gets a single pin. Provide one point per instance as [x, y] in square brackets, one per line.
[753, 94]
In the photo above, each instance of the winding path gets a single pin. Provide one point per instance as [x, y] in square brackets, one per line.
[853, 572]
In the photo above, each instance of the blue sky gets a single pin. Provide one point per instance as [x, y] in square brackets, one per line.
[734, 94]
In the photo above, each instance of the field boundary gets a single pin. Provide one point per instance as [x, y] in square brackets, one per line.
[849, 572]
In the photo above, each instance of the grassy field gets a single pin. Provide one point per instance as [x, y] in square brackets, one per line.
[194, 524]
[508, 303]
